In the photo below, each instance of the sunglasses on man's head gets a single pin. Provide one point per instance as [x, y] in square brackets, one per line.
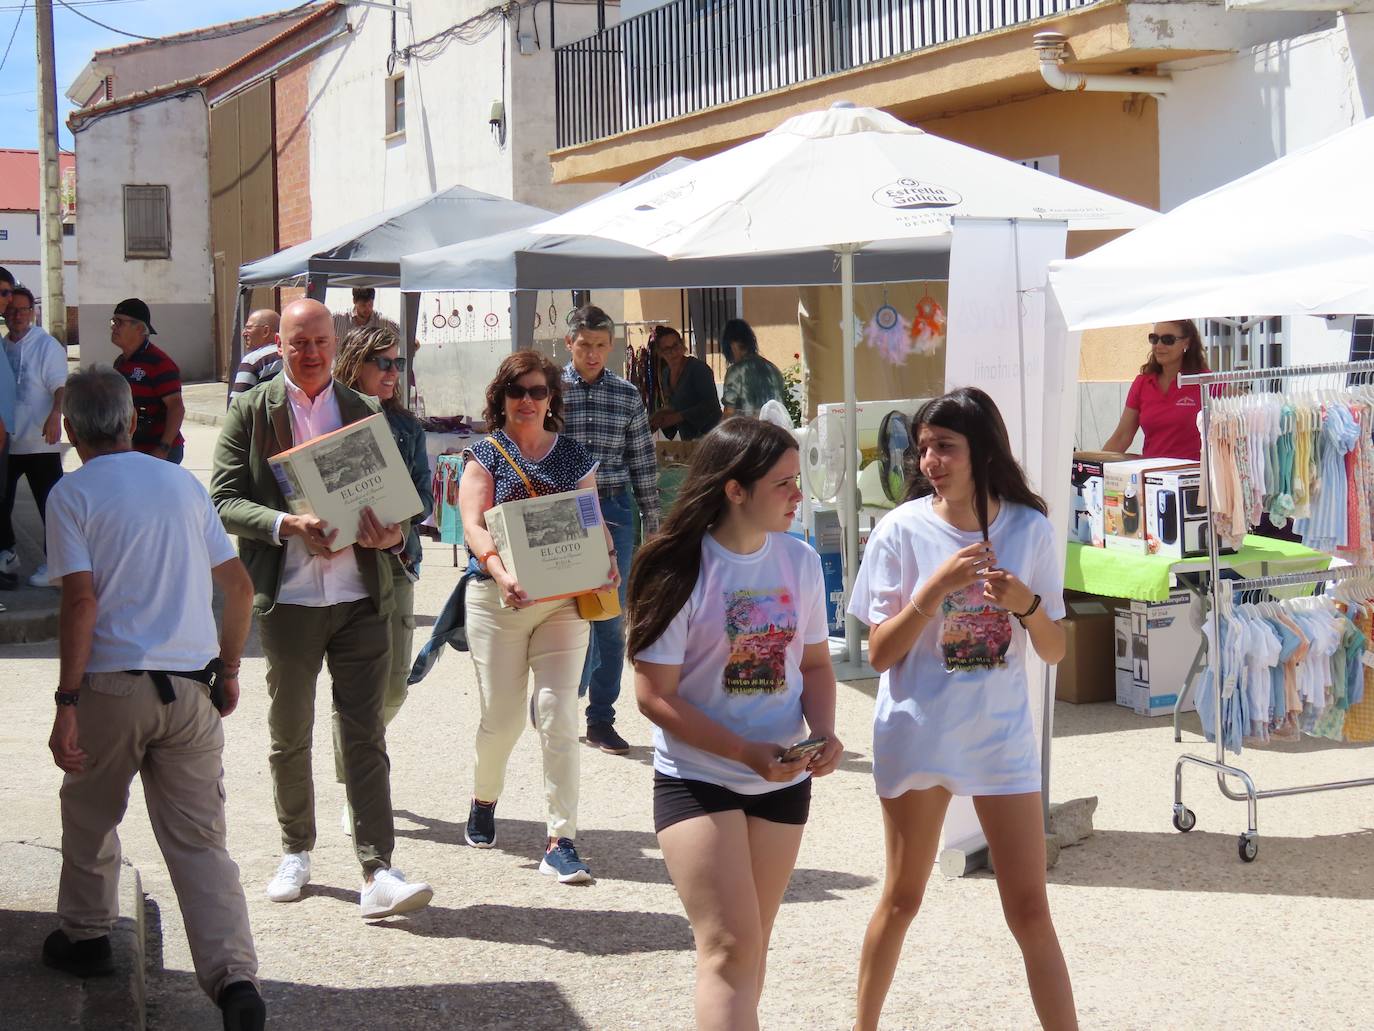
[516, 392]
[1167, 339]
[385, 364]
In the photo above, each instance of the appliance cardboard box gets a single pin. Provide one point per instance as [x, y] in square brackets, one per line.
[554, 545]
[1176, 522]
[1163, 644]
[829, 544]
[1085, 495]
[1087, 673]
[1123, 502]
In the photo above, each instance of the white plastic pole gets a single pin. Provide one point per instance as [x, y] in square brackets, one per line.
[849, 496]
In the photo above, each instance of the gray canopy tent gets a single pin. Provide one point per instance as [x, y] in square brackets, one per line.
[367, 252]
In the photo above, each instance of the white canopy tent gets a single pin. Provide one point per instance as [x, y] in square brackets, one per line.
[843, 180]
[1295, 237]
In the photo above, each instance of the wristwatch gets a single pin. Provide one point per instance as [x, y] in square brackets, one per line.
[66, 697]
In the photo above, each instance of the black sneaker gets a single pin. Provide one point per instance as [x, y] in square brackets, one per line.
[90, 957]
[563, 862]
[243, 1007]
[481, 829]
[604, 737]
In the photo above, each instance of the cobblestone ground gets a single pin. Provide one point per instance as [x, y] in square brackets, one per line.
[1161, 930]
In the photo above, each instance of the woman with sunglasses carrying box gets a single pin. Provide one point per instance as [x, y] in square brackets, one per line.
[728, 636]
[369, 361]
[509, 635]
[957, 584]
[1156, 403]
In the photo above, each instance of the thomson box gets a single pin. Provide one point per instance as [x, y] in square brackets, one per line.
[1123, 502]
[554, 545]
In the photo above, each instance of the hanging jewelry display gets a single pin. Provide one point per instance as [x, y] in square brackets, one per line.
[889, 332]
[928, 326]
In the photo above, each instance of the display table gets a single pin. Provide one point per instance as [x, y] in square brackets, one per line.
[1119, 574]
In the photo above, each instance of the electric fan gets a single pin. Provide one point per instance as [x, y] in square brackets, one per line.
[822, 457]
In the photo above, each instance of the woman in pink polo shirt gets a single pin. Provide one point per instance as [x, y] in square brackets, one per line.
[1157, 404]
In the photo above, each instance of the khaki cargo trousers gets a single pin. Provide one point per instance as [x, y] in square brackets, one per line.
[125, 729]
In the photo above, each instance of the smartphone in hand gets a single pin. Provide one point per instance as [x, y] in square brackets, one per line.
[803, 749]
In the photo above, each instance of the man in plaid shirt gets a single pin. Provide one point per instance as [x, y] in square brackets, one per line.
[605, 414]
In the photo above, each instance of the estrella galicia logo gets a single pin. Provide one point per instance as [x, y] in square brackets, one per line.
[909, 194]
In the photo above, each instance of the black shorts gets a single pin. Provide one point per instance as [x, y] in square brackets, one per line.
[676, 799]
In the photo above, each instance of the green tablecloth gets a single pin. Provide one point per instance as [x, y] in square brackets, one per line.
[1117, 574]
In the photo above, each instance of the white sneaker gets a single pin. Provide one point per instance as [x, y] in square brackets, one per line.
[390, 895]
[40, 577]
[292, 875]
[9, 561]
[346, 822]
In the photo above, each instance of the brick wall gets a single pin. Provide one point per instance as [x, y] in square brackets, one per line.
[292, 128]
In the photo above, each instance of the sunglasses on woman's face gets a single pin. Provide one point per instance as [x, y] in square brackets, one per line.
[385, 364]
[1167, 339]
[516, 392]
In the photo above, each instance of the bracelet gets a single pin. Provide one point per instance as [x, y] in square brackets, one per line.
[611, 552]
[1021, 617]
[66, 697]
[484, 558]
[920, 611]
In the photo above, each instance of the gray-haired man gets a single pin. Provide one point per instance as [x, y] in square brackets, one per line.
[137, 641]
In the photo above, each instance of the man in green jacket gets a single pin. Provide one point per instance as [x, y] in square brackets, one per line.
[313, 603]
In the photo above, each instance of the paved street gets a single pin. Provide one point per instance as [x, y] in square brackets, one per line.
[1138, 905]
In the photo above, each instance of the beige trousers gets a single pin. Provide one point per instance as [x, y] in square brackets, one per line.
[549, 640]
[125, 729]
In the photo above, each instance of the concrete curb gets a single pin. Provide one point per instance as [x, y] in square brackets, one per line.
[24, 626]
[205, 418]
[119, 1003]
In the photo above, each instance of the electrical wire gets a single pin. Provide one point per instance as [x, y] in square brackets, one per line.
[13, 33]
[107, 28]
[255, 23]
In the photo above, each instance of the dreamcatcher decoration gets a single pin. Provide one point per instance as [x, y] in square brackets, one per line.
[889, 332]
[928, 325]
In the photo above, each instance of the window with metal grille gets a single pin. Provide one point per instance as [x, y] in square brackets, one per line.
[147, 222]
[1362, 338]
[707, 313]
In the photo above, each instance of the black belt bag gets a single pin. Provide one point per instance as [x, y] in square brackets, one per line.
[209, 676]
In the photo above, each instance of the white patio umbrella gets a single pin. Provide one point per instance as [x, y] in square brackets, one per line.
[843, 180]
[1295, 237]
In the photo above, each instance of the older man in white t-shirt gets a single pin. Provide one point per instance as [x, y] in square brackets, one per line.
[137, 643]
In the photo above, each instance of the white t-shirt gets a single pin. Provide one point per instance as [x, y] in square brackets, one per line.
[40, 367]
[955, 710]
[146, 531]
[739, 640]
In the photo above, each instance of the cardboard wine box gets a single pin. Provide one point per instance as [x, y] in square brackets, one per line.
[554, 545]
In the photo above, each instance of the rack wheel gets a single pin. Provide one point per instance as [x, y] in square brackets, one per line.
[1248, 848]
[1184, 819]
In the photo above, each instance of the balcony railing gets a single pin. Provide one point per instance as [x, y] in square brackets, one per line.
[690, 55]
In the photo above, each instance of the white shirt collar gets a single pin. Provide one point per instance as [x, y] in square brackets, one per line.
[300, 396]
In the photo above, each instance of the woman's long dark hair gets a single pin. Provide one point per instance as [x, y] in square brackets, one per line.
[666, 568]
[1194, 357]
[996, 473]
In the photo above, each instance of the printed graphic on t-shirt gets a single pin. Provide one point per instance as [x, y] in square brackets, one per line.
[975, 634]
[760, 625]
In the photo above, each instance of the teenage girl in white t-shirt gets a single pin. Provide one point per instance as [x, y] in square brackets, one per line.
[728, 637]
[955, 583]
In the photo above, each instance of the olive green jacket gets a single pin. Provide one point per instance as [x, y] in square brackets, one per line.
[246, 495]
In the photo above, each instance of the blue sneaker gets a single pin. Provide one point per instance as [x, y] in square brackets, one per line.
[563, 862]
[481, 828]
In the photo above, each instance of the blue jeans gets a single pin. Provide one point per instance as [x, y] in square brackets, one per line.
[605, 661]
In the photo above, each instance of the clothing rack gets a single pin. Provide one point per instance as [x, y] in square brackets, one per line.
[1184, 818]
